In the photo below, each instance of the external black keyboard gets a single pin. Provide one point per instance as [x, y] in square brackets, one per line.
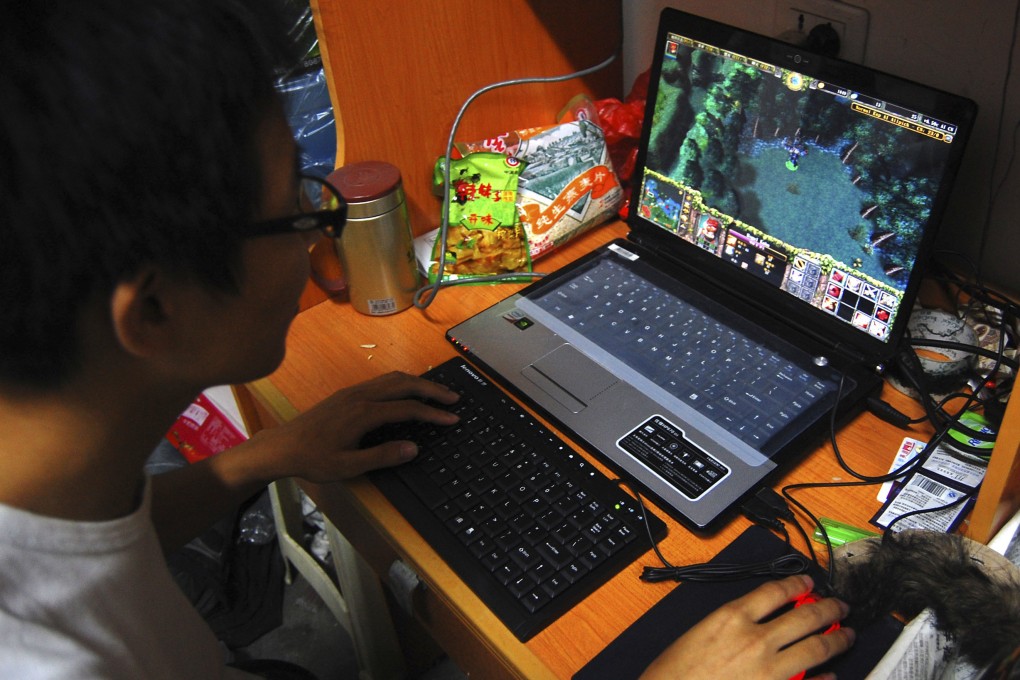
[525, 521]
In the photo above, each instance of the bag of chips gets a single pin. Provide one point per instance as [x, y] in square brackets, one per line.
[565, 185]
[485, 235]
[568, 184]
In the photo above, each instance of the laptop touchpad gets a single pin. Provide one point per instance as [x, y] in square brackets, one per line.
[569, 377]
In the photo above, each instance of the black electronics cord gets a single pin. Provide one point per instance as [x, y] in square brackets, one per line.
[893, 475]
[768, 509]
[971, 296]
[973, 288]
[432, 289]
[993, 196]
[787, 565]
[998, 356]
[923, 511]
[989, 398]
[863, 480]
[912, 370]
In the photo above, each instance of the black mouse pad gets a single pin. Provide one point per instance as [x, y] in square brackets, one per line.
[630, 653]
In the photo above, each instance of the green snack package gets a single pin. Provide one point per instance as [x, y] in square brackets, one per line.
[485, 235]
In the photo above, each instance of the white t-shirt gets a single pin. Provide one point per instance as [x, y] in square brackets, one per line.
[96, 600]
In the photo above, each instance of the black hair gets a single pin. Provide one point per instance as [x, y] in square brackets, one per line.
[128, 136]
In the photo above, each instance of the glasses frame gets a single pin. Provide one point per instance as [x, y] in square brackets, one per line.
[330, 221]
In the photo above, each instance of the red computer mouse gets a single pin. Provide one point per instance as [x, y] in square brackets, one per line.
[808, 598]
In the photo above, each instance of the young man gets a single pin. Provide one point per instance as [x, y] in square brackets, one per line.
[141, 142]
[144, 154]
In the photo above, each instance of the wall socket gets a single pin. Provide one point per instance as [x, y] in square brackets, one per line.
[850, 23]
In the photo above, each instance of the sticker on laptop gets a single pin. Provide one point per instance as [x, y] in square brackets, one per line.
[663, 448]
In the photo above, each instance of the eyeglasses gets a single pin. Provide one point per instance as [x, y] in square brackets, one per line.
[329, 217]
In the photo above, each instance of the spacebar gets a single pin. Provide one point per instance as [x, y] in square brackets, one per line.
[422, 485]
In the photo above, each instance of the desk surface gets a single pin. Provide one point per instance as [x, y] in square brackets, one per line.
[331, 346]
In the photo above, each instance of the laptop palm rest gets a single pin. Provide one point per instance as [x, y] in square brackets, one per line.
[569, 377]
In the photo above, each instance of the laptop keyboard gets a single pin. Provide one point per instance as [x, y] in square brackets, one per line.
[524, 520]
[719, 371]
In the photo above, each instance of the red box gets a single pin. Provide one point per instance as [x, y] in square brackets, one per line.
[203, 430]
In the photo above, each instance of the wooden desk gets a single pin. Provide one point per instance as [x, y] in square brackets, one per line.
[331, 346]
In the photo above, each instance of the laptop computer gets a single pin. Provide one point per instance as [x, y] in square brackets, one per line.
[783, 208]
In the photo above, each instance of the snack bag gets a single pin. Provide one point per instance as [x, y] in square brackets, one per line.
[568, 184]
[485, 235]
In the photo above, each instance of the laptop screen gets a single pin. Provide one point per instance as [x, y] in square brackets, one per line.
[822, 186]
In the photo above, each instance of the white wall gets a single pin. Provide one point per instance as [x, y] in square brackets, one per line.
[956, 45]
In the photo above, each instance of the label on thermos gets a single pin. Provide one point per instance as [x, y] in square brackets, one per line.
[382, 306]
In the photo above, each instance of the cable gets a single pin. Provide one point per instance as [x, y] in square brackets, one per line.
[891, 414]
[942, 425]
[901, 471]
[993, 196]
[988, 390]
[934, 411]
[975, 289]
[939, 417]
[864, 480]
[921, 511]
[768, 509]
[972, 349]
[786, 565]
[433, 289]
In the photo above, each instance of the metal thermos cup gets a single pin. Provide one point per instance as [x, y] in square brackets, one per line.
[376, 247]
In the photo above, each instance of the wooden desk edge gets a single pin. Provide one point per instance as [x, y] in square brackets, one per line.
[461, 623]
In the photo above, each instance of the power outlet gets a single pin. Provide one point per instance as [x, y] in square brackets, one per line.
[849, 22]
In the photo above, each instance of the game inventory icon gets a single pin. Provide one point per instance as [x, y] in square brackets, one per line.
[859, 303]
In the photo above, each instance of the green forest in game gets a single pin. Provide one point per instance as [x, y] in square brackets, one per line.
[847, 184]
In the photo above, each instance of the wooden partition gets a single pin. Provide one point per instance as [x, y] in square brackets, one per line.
[400, 70]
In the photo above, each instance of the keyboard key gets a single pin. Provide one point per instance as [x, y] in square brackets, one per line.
[592, 557]
[535, 600]
[555, 584]
[555, 553]
[521, 585]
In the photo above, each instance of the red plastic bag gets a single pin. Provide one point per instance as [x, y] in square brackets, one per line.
[621, 124]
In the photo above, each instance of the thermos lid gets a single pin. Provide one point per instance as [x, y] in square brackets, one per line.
[370, 188]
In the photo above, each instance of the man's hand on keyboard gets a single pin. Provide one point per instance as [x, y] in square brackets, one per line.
[733, 643]
[322, 444]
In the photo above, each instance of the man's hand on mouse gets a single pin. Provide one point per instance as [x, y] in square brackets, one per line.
[736, 641]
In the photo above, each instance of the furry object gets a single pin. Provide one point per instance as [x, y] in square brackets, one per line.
[973, 591]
